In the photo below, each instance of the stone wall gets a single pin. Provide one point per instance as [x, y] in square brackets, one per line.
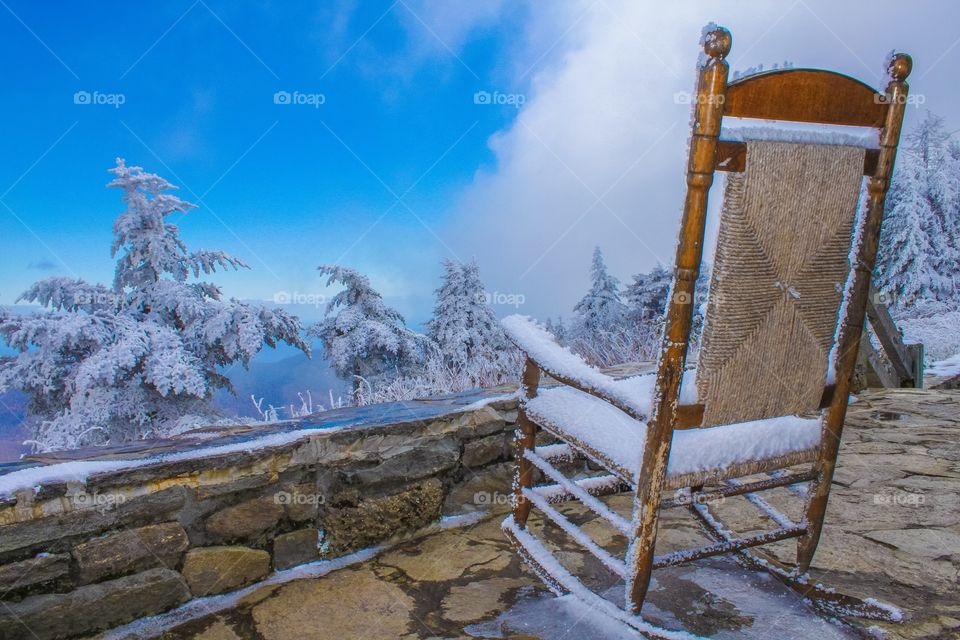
[77, 557]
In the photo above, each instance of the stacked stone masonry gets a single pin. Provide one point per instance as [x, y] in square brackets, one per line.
[80, 557]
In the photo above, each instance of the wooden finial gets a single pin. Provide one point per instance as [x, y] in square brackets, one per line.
[900, 66]
[716, 43]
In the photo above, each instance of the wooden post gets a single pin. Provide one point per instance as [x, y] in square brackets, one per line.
[889, 336]
[852, 329]
[526, 439]
[915, 352]
[708, 110]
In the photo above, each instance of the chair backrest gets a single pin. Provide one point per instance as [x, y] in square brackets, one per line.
[788, 292]
[782, 260]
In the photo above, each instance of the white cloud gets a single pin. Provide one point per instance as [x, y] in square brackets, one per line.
[596, 156]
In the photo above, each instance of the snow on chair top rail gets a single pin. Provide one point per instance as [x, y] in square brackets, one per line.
[559, 362]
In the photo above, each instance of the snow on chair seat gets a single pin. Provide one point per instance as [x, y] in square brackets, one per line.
[698, 456]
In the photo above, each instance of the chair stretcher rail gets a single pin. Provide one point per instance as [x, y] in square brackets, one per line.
[731, 490]
[578, 491]
[726, 546]
[581, 538]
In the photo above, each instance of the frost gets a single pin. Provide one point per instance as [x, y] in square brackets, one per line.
[363, 337]
[622, 439]
[947, 368]
[111, 364]
[466, 332]
[920, 241]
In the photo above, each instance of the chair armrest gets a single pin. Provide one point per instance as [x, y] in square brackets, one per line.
[540, 346]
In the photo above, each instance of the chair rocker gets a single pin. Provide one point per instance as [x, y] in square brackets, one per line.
[784, 316]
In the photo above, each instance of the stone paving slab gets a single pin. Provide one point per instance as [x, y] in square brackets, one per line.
[893, 533]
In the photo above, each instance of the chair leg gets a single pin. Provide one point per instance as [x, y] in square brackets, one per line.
[641, 565]
[526, 439]
[816, 508]
[646, 515]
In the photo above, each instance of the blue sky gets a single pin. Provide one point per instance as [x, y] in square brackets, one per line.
[280, 185]
[594, 155]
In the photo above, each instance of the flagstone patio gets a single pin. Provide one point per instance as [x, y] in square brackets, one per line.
[893, 533]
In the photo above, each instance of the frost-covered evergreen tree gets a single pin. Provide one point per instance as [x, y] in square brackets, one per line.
[599, 330]
[362, 337]
[558, 328]
[466, 330]
[646, 296]
[646, 300]
[920, 248]
[601, 309]
[141, 358]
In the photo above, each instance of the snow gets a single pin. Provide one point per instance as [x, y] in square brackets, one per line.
[81, 470]
[112, 364]
[600, 309]
[920, 239]
[484, 402]
[153, 626]
[580, 489]
[615, 565]
[600, 330]
[556, 572]
[896, 615]
[947, 368]
[635, 393]
[935, 326]
[740, 129]
[616, 435]
[560, 451]
[462, 519]
[361, 335]
[465, 328]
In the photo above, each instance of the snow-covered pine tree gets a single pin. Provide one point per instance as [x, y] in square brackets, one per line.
[466, 330]
[362, 337]
[142, 358]
[558, 328]
[919, 248]
[600, 332]
[646, 296]
[646, 300]
[601, 308]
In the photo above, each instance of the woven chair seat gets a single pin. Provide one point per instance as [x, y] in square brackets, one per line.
[614, 440]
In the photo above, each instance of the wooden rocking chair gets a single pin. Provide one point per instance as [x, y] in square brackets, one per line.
[785, 313]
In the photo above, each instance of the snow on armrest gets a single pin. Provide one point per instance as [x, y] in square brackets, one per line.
[559, 362]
